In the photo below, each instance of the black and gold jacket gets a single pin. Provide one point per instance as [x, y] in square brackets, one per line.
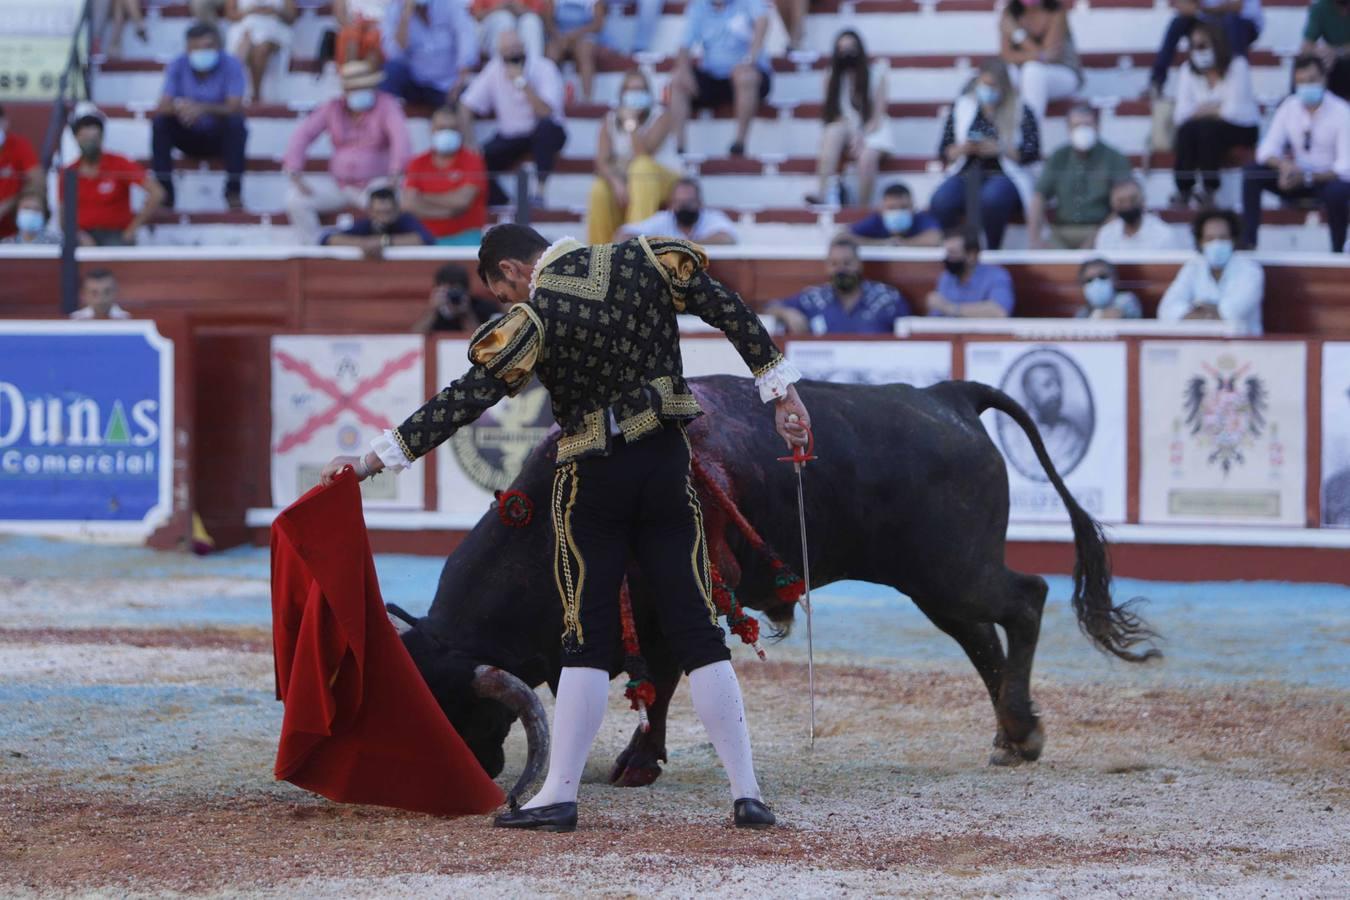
[599, 331]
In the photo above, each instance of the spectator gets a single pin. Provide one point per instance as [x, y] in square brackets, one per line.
[1305, 154]
[19, 172]
[1327, 34]
[261, 28]
[1216, 284]
[525, 94]
[847, 303]
[358, 36]
[574, 30]
[897, 223]
[103, 190]
[1239, 20]
[967, 288]
[990, 135]
[1215, 112]
[645, 21]
[686, 217]
[31, 220]
[452, 307]
[119, 13]
[630, 185]
[98, 297]
[733, 69]
[370, 143]
[446, 187]
[1076, 180]
[1130, 226]
[1102, 299]
[384, 225]
[1036, 45]
[430, 49]
[524, 17]
[201, 113]
[855, 120]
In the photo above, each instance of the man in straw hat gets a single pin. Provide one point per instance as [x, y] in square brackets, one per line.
[370, 149]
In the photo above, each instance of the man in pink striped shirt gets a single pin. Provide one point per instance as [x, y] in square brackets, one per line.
[370, 149]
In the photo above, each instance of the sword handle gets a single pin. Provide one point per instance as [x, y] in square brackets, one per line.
[802, 455]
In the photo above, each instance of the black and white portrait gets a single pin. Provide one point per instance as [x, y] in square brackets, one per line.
[1055, 392]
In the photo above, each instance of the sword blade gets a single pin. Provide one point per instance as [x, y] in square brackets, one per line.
[806, 580]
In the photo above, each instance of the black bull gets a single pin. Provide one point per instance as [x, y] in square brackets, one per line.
[909, 492]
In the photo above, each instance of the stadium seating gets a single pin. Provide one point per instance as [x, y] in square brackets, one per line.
[763, 190]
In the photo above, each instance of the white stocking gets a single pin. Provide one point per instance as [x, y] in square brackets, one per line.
[717, 700]
[577, 714]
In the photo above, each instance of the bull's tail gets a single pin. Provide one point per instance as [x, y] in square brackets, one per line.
[1114, 629]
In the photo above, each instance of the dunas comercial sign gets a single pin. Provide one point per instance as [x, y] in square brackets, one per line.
[86, 428]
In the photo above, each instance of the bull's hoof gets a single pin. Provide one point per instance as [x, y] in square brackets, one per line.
[1011, 753]
[636, 767]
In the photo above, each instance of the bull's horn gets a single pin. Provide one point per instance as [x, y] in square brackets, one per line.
[497, 684]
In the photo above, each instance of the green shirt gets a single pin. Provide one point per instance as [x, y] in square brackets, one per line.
[1327, 21]
[1079, 184]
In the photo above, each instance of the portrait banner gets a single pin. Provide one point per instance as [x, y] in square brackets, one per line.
[1223, 432]
[330, 397]
[920, 363]
[1336, 434]
[1075, 393]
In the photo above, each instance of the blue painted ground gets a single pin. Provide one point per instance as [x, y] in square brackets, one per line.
[1296, 634]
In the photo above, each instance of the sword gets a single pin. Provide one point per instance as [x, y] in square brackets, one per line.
[799, 458]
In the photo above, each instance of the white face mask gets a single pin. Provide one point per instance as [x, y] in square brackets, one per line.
[636, 99]
[362, 100]
[1083, 137]
[1202, 59]
[446, 142]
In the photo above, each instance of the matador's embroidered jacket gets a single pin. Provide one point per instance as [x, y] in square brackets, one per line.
[600, 333]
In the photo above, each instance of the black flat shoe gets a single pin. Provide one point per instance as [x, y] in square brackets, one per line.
[753, 814]
[557, 817]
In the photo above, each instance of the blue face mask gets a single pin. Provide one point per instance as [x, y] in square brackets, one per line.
[446, 142]
[988, 96]
[29, 221]
[1218, 253]
[639, 100]
[361, 100]
[203, 60]
[1311, 94]
[1099, 292]
[897, 221]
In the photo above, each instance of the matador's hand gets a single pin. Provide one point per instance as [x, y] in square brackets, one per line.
[791, 419]
[336, 465]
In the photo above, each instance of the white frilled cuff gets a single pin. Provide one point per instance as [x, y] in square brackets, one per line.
[389, 452]
[773, 382]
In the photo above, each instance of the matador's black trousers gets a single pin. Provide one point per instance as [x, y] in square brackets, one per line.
[639, 501]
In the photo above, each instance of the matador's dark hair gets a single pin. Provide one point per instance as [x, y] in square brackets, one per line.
[507, 241]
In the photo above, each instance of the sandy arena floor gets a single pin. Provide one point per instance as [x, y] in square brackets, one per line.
[135, 758]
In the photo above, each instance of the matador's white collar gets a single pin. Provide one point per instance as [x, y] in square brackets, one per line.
[556, 249]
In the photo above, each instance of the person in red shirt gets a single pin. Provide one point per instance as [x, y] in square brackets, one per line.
[19, 173]
[446, 187]
[103, 196]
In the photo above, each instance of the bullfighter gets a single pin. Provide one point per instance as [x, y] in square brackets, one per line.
[597, 326]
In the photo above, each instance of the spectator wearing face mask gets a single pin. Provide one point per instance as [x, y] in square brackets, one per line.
[630, 185]
[896, 223]
[452, 307]
[30, 218]
[370, 145]
[103, 190]
[1305, 154]
[19, 173]
[574, 29]
[1215, 112]
[686, 217]
[1076, 181]
[968, 288]
[1131, 227]
[846, 304]
[855, 121]
[430, 49]
[1102, 299]
[384, 225]
[1216, 284]
[201, 113]
[1327, 35]
[1240, 21]
[446, 187]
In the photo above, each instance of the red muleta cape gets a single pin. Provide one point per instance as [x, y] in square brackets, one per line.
[360, 724]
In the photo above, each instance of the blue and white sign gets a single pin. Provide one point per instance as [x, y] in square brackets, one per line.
[86, 428]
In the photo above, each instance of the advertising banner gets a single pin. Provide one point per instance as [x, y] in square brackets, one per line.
[330, 397]
[86, 428]
[1075, 393]
[35, 38]
[1336, 434]
[919, 363]
[1223, 432]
